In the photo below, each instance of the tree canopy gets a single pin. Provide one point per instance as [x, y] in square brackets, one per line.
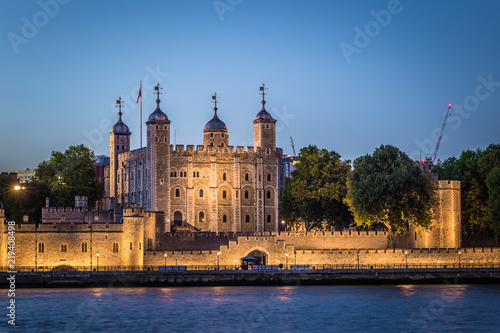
[388, 187]
[493, 183]
[472, 168]
[69, 174]
[314, 195]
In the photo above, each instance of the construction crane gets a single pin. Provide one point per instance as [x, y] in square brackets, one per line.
[438, 142]
[293, 147]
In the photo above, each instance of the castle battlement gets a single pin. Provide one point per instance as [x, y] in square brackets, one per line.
[449, 184]
[202, 149]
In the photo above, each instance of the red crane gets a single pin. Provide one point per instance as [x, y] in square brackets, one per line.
[438, 142]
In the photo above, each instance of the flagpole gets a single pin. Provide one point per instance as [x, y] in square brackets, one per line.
[140, 89]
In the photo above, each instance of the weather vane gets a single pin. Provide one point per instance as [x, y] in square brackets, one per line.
[263, 93]
[157, 89]
[263, 89]
[214, 100]
[119, 103]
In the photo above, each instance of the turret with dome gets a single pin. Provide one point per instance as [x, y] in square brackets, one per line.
[215, 132]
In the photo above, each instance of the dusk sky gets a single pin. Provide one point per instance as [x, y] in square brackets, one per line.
[343, 75]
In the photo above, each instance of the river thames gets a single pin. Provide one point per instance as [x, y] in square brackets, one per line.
[403, 308]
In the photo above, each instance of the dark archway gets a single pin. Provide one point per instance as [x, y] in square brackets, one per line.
[260, 258]
[178, 218]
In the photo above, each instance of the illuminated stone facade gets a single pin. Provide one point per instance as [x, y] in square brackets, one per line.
[212, 187]
[137, 237]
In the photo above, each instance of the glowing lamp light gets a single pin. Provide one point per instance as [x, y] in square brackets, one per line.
[423, 161]
[17, 187]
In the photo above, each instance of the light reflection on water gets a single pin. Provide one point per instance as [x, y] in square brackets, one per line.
[402, 308]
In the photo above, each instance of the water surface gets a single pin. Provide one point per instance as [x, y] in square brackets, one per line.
[406, 308]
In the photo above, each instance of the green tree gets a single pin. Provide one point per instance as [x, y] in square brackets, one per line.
[493, 183]
[389, 187]
[69, 174]
[314, 195]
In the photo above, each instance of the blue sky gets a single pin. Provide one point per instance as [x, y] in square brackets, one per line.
[343, 75]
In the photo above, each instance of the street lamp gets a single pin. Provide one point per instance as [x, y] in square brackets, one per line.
[286, 267]
[97, 260]
[459, 253]
[165, 255]
[218, 260]
[406, 259]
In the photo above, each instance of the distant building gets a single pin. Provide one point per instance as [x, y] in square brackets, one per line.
[289, 161]
[25, 175]
[101, 162]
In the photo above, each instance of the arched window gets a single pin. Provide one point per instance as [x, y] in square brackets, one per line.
[247, 218]
[268, 177]
[201, 193]
[222, 144]
[224, 218]
[222, 134]
[211, 144]
[224, 176]
[268, 194]
[268, 151]
[211, 135]
[224, 194]
[246, 194]
[268, 218]
[201, 217]
[246, 177]
[177, 193]
[123, 147]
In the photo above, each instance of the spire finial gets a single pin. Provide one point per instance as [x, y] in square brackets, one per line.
[214, 100]
[157, 89]
[263, 93]
[119, 103]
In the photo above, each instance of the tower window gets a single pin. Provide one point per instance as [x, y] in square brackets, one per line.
[236, 194]
[224, 218]
[64, 248]
[156, 126]
[115, 247]
[246, 177]
[201, 193]
[41, 247]
[222, 144]
[268, 218]
[201, 217]
[268, 151]
[267, 125]
[165, 127]
[211, 135]
[197, 174]
[224, 194]
[246, 194]
[222, 134]
[224, 176]
[84, 247]
[247, 218]
[131, 245]
[117, 147]
[211, 144]
[123, 147]
[177, 193]
[268, 177]
[268, 194]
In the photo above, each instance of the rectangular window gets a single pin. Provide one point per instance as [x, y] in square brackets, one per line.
[64, 248]
[131, 245]
[84, 247]
[41, 247]
[139, 245]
